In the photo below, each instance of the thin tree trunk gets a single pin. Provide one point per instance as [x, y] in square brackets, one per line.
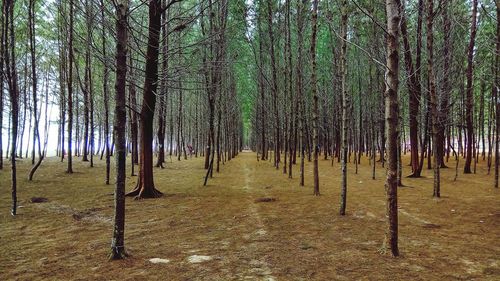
[299, 86]
[118, 243]
[345, 105]
[496, 98]
[163, 95]
[470, 90]
[433, 98]
[36, 132]
[391, 119]
[11, 74]
[274, 85]
[3, 46]
[70, 90]
[106, 95]
[133, 118]
[315, 113]
[413, 82]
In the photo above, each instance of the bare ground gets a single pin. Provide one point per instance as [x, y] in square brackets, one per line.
[226, 232]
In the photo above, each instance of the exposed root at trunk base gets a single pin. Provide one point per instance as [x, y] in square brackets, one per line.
[118, 254]
[414, 175]
[143, 192]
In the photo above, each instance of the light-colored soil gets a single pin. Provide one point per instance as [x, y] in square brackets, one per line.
[220, 232]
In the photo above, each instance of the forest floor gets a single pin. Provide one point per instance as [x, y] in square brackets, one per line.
[222, 232]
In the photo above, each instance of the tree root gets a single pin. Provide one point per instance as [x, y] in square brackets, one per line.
[140, 192]
[413, 175]
[118, 254]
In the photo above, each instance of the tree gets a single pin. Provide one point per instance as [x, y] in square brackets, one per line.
[292, 136]
[162, 112]
[413, 83]
[444, 119]
[117, 243]
[391, 120]
[470, 89]
[134, 157]
[433, 96]
[274, 86]
[2, 49]
[314, 88]
[9, 48]
[106, 95]
[145, 185]
[496, 100]
[70, 89]
[299, 85]
[345, 106]
[36, 131]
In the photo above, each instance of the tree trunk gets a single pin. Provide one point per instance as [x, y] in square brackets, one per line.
[145, 186]
[314, 86]
[299, 86]
[291, 137]
[443, 118]
[11, 75]
[414, 91]
[163, 96]
[70, 90]
[2, 49]
[117, 243]
[391, 120]
[345, 106]
[496, 98]
[433, 98]
[134, 157]
[62, 76]
[36, 132]
[106, 95]
[274, 85]
[470, 90]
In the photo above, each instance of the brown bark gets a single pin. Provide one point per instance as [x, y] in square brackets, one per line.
[274, 85]
[345, 105]
[106, 94]
[62, 81]
[291, 136]
[299, 86]
[134, 157]
[145, 186]
[433, 97]
[87, 91]
[218, 51]
[470, 90]
[163, 96]
[262, 93]
[11, 75]
[446, 87]
[70, 89]
[391, 119]
[413, 83]
[496, 97]
[2, 48]
[36, 132]
[315, 111]
[118, 243]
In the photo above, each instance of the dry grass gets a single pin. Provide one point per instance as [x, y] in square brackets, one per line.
[295, 237]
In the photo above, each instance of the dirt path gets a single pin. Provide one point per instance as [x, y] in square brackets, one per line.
[257, 238]
[243, 248]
